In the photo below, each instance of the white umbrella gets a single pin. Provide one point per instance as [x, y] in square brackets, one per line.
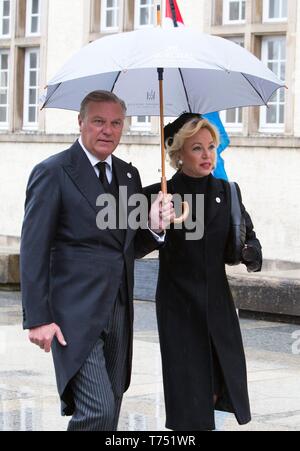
[201, 74]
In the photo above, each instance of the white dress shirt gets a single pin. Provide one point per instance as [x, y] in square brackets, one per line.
[94, 161]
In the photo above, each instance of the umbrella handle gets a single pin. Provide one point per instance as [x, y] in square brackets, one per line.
[185, 205]
[185, 214]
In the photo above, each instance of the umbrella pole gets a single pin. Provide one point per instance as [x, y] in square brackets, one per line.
[162, 133]
[160, 70]
[162, 115]
[185, 205]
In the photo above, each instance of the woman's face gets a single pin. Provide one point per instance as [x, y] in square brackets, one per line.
[198, 154]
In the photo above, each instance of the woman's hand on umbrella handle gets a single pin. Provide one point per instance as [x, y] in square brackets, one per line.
[185, 214]
[162, 213]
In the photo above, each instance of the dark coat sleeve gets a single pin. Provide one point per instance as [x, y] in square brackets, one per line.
[145, 242]
[252, 257]
[39, 229]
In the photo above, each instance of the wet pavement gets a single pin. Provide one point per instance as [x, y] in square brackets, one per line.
[28, 398]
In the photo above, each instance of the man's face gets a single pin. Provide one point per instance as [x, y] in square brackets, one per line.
[101, 128]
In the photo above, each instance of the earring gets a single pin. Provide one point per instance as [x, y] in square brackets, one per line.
[180, 162]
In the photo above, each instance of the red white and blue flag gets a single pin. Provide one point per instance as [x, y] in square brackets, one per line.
[174, 19]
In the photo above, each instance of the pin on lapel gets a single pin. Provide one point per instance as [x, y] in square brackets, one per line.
[129, 175]
[218, 200]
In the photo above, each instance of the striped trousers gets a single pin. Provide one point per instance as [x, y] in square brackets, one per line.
[99, 385]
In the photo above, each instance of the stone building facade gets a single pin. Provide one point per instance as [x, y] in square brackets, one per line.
[38, 36]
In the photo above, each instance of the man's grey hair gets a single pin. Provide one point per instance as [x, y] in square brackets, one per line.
[100, 97]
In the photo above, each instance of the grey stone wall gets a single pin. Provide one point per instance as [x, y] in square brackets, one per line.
[276, 290]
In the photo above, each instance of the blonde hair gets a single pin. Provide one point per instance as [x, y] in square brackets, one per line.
[175, 145]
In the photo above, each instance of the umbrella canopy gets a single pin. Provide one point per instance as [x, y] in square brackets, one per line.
[202, 73]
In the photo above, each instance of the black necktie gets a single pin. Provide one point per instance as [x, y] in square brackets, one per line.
[102, 175]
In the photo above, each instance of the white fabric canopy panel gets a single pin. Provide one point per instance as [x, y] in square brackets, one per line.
[202, 73]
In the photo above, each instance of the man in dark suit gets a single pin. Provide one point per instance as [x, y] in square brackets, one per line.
[77, 279]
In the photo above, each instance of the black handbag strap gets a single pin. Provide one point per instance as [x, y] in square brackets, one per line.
[236, 212]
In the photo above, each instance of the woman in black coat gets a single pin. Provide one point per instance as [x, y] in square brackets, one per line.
[202, 351]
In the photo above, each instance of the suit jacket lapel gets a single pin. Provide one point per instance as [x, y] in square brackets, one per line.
[215, 198]
[84, 176]
[125, 179]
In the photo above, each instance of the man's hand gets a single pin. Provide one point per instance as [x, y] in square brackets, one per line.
[162, 213]
[43, 336]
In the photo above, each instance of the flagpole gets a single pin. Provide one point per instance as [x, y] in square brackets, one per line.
[173, 11]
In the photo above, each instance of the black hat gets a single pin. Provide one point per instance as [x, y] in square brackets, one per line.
[173, 127]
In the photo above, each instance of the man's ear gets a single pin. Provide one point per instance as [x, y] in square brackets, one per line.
[79, 121]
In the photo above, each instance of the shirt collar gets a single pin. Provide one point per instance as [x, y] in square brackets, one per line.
[94, 160]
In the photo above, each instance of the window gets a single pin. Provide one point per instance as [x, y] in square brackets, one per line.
[31, 89]
[144, 13]
[4, 82]
[110, 10]
[33, 18]
[234, 11]
[4, 18]
[274, 56]
[141, 123]
[233, 118]
[275, 10]
[239, 40]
